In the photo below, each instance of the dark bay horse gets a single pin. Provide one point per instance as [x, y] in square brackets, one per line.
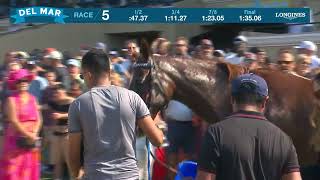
[205, 87]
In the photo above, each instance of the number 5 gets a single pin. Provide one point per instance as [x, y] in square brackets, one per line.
[105, 15]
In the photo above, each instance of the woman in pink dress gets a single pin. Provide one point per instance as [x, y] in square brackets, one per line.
[20, 159]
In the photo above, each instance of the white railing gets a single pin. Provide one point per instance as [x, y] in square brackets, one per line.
[283, 39]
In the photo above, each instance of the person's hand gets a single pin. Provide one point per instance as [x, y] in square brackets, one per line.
[80, 175]
[56, 116]
[32, 138]
[162, 125]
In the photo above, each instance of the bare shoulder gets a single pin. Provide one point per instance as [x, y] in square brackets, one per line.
[9, 100]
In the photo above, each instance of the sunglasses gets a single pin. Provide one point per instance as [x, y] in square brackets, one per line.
[180, 45]
[285, 62]
[22, 81]
[306, 63]
[81, 76]
[206, 46]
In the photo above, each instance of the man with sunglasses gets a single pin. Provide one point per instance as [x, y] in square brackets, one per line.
[286, 62]
[38, 84]
[105, 119]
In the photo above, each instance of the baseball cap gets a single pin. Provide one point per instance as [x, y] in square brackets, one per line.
[101, 46]
[249, 83]
[54, 55]
[73, 62]
[307, 45]
[113, 53]
[240, 39]
[219, 53]
[21, 55]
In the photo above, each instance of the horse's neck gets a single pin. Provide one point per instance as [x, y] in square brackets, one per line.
[194, 85]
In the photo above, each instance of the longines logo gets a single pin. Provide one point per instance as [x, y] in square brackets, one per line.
[290, 16]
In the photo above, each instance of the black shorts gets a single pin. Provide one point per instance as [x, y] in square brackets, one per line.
[181, 135]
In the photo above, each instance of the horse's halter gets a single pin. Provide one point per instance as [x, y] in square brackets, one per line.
[154, 81]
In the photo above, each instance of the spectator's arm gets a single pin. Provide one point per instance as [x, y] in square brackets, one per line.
[291, 169]
[292, 176]
[121, 70]
[74, 154]
[127, 74]
[60, 116]
[75, 138]
[146, 123]
[150, 129]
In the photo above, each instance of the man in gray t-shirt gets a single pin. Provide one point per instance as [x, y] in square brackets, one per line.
[105, 119]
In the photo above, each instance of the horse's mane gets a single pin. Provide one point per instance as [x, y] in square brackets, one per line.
[232, 70]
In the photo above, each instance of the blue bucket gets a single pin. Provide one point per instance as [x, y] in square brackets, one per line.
[186, 169]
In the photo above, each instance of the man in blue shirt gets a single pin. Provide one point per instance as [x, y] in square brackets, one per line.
[38, 84]
[239, 49]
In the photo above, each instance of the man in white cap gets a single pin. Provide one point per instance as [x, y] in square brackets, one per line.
[239, 50]
[74, 66]
[310, 49]
[61, 70]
